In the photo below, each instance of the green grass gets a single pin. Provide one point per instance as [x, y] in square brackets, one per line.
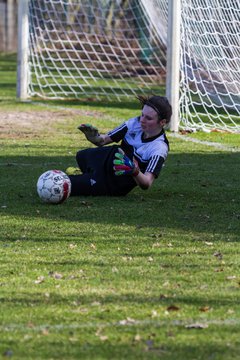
[116, 278]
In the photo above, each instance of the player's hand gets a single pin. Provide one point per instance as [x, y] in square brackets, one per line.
[122, 165]
[92, 134]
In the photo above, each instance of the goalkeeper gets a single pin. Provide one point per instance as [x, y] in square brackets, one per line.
[115, 170]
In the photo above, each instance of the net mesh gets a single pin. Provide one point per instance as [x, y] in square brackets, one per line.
[93, 48]
[210, 64]
[117, 49]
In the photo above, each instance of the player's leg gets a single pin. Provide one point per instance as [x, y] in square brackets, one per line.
[88, 184]
[83, 158]
[89, 160]
[98, 176]
[92, 181]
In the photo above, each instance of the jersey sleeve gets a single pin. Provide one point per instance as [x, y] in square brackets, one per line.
[118, 133]
[155, 165]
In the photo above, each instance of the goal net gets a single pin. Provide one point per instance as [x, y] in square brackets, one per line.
[94, 48]
[117, 49]
[210, 64]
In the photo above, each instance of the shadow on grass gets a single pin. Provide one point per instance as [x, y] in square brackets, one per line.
[121, 344]
[126, 299]
[195, 192]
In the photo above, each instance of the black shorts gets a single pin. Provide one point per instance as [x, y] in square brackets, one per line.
[98, 177]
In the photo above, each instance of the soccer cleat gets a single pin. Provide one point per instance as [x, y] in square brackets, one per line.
[73, 171]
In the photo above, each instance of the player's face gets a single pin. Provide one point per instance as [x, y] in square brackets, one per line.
[149, 120]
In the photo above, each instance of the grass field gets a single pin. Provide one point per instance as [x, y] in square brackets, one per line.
[154, 275]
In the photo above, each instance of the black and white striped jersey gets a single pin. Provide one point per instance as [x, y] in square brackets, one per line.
[150, 153]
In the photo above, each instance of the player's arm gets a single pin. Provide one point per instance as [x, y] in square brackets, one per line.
[92, 134]
[122, 165]
[152, 171]
[144, 181]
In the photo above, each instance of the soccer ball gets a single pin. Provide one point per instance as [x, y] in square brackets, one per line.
[54, 186]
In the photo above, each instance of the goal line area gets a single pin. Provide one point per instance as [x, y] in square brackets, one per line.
[37, 116]
[128, 322]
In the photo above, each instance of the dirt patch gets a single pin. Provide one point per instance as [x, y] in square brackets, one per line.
[17, 124]
[21, 124]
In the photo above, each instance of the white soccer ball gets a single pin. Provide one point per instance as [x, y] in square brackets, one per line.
[54, 186]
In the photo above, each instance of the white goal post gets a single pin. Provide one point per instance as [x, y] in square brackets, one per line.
[23, 72]
[187, 50]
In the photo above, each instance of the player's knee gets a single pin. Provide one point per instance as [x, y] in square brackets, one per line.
[80, 156]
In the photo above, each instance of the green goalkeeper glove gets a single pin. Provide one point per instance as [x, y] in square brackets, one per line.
[91, 133]
[122, 165]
